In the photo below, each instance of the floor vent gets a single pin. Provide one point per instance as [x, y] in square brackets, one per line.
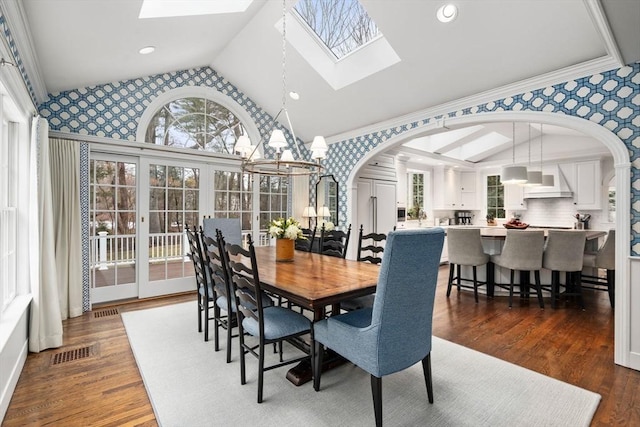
[105, 313]
[70, 355]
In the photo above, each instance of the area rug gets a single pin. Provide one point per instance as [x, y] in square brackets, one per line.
[190, 384]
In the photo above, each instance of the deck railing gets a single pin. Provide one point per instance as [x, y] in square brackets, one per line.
[107, 249]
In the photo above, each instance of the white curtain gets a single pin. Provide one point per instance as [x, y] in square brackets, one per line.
[65, 188]
[45, 329]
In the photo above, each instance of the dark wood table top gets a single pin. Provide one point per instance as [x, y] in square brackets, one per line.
[314, 281]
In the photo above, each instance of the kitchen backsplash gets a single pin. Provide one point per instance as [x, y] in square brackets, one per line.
[560, 212]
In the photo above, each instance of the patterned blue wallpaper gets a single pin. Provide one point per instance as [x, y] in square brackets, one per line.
[611, 99]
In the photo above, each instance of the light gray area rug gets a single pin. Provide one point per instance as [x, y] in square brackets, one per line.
[190, 384]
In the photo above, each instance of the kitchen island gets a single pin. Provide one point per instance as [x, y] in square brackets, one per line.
[493, 238]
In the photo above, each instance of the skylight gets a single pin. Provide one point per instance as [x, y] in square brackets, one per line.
[170, 8]
[342, 25]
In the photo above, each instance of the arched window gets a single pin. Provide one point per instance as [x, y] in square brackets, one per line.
[195, 123]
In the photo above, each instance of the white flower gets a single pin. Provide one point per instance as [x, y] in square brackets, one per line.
[275, 231]
[291, 232]
[328, 226]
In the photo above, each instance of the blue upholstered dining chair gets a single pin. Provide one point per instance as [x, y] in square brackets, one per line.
[395, 333]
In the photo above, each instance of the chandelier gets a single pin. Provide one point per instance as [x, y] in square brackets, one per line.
[285, 162]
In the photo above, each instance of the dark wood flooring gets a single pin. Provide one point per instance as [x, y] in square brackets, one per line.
[99, 383]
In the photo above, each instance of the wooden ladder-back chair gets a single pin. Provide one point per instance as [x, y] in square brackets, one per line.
[225, 301]
[269, 324]
[206, 293]
[334, 242]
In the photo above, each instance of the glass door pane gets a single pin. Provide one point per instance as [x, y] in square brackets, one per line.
[113, 233]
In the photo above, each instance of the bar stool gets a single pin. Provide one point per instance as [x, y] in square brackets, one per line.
[605, 258]
[522, 252]
[564, 251]
[464, 246]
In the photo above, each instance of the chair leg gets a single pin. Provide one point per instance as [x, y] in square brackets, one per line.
[426, 368]
[230, 317]
[576, 279]
[317, 365]
[458, 279]
[475, 283]
[511, 280]
[243, 376]
[555, 288]
[200, 308]
[451, 268]
[376, 391]
[536, 275]
[260, 371]
[611, 287]
[206, 319]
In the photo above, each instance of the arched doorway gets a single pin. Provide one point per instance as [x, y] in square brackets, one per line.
[622, 169]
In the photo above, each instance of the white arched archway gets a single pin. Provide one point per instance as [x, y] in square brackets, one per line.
[622, 166]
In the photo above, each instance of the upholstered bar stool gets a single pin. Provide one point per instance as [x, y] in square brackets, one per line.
[564, 252]
[465, 248]
[522, 251]
[605, 259]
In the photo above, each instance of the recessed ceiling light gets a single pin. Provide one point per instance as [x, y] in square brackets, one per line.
[447, 13]
[147, 50]
[294, 95]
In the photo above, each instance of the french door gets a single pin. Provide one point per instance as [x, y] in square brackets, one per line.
[113, 210]
[171, 198]
[139, 207]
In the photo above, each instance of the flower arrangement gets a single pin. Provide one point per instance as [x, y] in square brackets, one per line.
[285, 229]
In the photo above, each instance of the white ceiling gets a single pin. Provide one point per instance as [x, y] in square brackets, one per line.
[492, 44]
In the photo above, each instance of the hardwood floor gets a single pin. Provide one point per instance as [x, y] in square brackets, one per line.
[98, 384]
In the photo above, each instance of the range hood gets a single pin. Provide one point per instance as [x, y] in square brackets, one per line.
[560, 189]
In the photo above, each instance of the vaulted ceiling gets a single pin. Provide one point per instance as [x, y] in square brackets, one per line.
[493, 45]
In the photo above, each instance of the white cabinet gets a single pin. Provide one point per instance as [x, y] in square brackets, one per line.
[514, 197]
[468, 191]
[584, 179]
[454, 190]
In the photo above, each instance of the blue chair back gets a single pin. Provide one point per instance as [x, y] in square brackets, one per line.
[229, 227]
[403, 306]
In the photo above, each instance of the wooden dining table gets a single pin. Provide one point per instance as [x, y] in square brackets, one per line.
[314, 282]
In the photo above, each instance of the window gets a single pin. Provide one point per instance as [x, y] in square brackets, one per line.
[611, 217]
[273, 199]
[417, 195]
[495, 197]
[195, 123]
[233, 198]
[342, 25]
[8, 211]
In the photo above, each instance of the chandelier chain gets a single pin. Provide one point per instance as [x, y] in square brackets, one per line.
[284, 54]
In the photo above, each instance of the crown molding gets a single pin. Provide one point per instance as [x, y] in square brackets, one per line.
[594, 8]
[542, 81]
[16, 20]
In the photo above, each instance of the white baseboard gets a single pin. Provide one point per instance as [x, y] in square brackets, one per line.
[12, 380]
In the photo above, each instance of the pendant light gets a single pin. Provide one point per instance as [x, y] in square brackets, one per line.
[534, 178]
[513, 174]
[547, 180]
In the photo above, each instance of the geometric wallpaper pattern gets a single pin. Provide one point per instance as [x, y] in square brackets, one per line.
[610, 99]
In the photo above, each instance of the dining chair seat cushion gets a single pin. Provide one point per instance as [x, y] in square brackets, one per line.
[278, 322]
[210, 291]
[222, 303]
[350, 335]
